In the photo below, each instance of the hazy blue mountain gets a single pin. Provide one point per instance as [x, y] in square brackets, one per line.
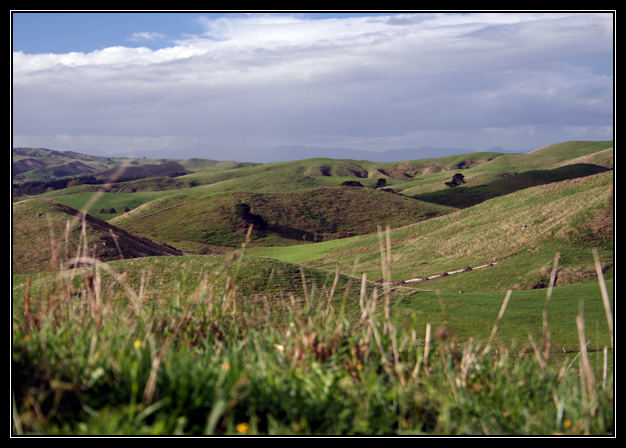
[299, 152]
[291, 153]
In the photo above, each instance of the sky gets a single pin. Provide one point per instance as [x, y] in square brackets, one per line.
[229, 86]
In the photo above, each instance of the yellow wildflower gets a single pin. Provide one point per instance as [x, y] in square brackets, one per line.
[225, 366]
[137, 344]
[242, 428]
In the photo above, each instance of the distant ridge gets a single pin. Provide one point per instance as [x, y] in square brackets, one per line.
[286, 153]
[291, 153]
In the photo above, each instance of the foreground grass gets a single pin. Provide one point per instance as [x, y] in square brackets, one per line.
[126, 359]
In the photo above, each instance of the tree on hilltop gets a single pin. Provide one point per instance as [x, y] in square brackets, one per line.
[457, 180]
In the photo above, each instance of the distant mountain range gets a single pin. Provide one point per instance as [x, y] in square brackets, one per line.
[291, 153]
[299, 152]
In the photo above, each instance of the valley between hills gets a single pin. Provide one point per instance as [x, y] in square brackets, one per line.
[325, 213]
[160, 296]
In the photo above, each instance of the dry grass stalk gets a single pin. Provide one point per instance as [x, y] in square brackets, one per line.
[605, 295]
[97, 294]
[53, 245]
[362, 296]
[404, 342]
[379, 343]
[148, 392]
[369, 312]
[605, 367]
[426, 347]
[117, 244]
[67, 238]
[17, 424]
[248, 238]
[83, 236]
[563, 370]
[396, 356]
[496, 325]
[467, 360]
[546, 331]
[307, 298]
[587, 379]
[27, 314]
[121, 279]
[334, 287]
[543, 363]
[384, 241]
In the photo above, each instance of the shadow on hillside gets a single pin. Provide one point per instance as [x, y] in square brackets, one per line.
[295, 234]
[265, 228]
[463, 197]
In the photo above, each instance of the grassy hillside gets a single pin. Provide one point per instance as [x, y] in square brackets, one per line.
[37, 163]
[288, 218]
[47, 235]
[40, 163]
[521, 232]
[97, 202]
[39, 170]
[410, 178]
[544, 159]
[462, 197]
[294, 202]
[360, 169]
[261, 282]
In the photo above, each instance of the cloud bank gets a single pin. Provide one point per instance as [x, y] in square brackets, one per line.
[255, 81]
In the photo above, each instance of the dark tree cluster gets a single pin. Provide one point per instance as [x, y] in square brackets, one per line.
[457, 180]
[351, 183]
[242, 211]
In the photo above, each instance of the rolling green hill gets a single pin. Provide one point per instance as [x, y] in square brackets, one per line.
[288, 218]
[462, 197]
[598, 153]
[303, 201]
[47, 235]
[521, 232]
[410, 178]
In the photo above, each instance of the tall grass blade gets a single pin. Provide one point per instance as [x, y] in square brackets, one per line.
[363, 293]
[496, 325]
[605, 367]
[605, 294]
[218, 409]
[546, 330]
[426, 347]
[17, 424]
[584, 355]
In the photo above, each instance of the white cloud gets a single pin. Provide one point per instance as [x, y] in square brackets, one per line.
[146, 36]
[367, 81]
